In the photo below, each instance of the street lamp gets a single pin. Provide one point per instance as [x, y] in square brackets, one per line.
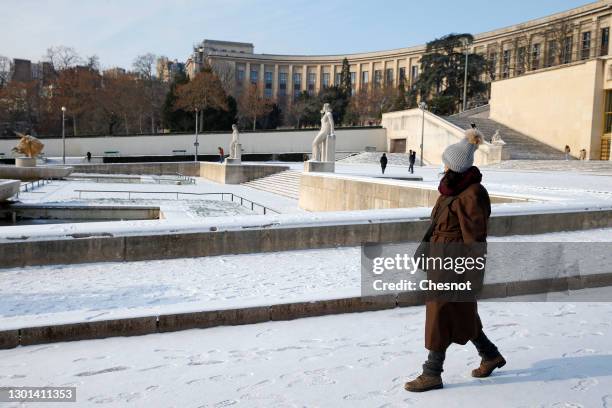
[422, 107]
[466, 44]
[64, 134]
[197, 143]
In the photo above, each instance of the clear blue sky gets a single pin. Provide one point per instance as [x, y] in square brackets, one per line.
[118, 30]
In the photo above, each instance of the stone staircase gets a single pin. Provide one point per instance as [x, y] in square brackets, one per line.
[285, 183]
[518, 146]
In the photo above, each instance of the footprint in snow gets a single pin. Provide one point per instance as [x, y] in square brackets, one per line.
[106, 370]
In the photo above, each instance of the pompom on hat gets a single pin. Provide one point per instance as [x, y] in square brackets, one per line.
[460, 156]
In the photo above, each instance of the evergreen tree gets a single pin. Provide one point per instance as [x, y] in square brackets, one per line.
[400, 102]
[176, 119]
[442, 71]
[337, 98]
[345, 78]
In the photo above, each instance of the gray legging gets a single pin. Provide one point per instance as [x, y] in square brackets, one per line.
[435, 360]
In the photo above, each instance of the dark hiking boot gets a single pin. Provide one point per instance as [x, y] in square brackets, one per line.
[424, 383]
[487, 367]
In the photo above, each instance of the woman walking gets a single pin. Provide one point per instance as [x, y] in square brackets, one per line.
[462, 219]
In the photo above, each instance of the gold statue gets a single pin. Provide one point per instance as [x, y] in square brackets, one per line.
[28, 145]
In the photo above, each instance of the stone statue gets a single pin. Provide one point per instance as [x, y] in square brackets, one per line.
[28, 146]
[496, 138]
[235, 150]
[324, 145]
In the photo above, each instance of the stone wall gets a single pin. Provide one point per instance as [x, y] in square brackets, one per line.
[185, 168]
[558, 106]
[327, 192]
[237, 174]
[277, 141]
[96, 247]
[437, 135]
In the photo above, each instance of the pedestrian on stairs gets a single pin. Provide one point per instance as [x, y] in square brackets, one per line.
[411, 160]
[383, 162]
[460, 217]
[567, 152]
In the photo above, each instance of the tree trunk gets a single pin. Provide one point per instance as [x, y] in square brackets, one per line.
[74, 126]
[254, 122]
[127, 131]
[201, 124]
[152, 123]
[140, 123]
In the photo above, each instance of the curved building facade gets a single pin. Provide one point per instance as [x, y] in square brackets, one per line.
[581, 33]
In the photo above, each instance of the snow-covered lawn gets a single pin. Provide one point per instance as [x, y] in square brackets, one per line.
[559, 355]
[39, 295]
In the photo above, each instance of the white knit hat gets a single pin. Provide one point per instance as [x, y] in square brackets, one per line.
[460, 156]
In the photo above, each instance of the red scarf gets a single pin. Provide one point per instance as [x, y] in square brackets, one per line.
[467, 178]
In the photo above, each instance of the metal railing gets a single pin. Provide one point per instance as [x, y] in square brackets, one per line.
[234, 198]
[31, 185]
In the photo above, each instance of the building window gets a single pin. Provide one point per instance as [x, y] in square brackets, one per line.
[268, 84]
[493, 65]
[535, 56]
[338, 80]
[378, 78]
[240, 75]
[365, 79]
[312, 80]
[254, 76]
[585, 48]
[297, 84]
[567, 50]
[353, 83]
[389, 76]
[415, 74]
[605, 41]
[282, 83]
[551, 55]
[520, 61]
[506, 64]
[325, 80]
[402, 75]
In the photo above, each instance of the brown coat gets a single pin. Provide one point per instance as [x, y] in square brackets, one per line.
[465, 220]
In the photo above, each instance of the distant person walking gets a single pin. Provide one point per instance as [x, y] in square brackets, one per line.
[583, 154]
[460, 216]
[221, 154]
[383, 162]
[567, 152]
[411, 160]
[88, 157]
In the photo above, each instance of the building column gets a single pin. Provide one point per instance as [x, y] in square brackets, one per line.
[275, 82]
[261, 81]
[319, 82]
[290, 82]
[358, 78]
[247, 75]
[305, 78]
[396, 74]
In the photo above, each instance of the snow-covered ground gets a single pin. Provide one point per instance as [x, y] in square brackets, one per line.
[40, 295]
[559, 355]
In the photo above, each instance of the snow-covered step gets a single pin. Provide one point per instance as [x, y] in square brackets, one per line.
[286, 184]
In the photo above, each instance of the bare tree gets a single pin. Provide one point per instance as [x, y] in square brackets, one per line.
[144, 66]
[204, 91]
[252, 105]
[227, 75]
[560, 33]
[93, 62]
[5, 70]
[62, 57]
